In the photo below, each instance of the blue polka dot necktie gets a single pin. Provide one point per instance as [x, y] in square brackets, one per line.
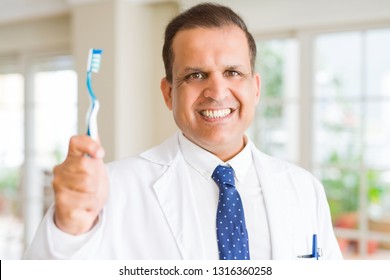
[232, 235]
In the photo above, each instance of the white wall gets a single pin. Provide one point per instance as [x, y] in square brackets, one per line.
[38, 35]
[142, 116]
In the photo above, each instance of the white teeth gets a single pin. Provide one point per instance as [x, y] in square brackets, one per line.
[216, 114]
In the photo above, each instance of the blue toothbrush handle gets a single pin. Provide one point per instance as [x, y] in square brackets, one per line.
[92, 127]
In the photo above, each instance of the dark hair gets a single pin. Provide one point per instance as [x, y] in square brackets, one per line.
[207, 15]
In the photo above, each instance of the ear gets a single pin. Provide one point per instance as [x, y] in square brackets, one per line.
[166, 90]
[257, 81]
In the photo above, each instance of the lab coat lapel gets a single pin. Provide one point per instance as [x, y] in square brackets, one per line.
[277, 203]
[174, 193]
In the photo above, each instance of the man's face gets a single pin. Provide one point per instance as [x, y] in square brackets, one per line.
[213, 93]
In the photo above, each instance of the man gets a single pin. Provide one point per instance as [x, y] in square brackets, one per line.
[172, 202]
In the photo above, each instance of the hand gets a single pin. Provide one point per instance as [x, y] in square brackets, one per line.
[81, 186]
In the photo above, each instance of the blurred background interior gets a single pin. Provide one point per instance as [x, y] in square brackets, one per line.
[325, 104]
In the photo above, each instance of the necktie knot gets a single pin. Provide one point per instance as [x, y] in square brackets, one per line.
[224, 177]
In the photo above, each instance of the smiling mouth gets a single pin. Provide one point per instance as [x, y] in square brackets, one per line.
[216, 114]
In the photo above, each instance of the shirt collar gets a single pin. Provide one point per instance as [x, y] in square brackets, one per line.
[205, 162]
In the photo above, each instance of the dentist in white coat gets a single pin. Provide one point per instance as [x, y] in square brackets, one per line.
[162, 204]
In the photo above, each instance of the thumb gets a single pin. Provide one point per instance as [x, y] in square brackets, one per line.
[82, 145]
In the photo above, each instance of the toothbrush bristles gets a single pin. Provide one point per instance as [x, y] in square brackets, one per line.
[94, 59]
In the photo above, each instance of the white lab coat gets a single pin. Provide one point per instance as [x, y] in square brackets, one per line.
[150, 212]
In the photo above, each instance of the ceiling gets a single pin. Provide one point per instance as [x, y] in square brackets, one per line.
[16, 10]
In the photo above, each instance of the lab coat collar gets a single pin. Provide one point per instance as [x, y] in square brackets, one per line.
[173, 191]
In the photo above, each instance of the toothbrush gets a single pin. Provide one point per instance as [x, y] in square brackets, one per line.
[93, 65]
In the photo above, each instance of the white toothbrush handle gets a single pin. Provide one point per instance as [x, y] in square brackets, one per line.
[92, 122]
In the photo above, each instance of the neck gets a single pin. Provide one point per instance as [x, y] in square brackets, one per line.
[224, 152]
[227, 153]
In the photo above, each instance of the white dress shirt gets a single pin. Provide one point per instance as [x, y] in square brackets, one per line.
[201, 165]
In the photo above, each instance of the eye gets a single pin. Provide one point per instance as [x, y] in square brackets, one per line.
[196, 76]
[232, 73]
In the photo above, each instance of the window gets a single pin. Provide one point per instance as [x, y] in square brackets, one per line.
[347, 75]
[351, 137]
[277, 114]
[38, 112]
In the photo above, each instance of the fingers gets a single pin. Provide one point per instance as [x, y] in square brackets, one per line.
[81, 186]
[78, 173]
[81, 145]
[74, 176]
[75, 221]
[80, 200]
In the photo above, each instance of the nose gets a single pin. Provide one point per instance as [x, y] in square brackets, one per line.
[216, 87]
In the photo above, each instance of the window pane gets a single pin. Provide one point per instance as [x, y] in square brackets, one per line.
[378, 135]
[378, 62]
[379, 194]
[275, 129]
[342, 190]
[56, 114]
[379, 205]
[11, 159]
[277, 64]
[337, 133]
[11, 119]
[338, 65]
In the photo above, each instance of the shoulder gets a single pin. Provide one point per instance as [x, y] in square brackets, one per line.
[274, 164]
[276, 167]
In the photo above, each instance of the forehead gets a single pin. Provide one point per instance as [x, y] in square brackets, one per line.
[210, 45]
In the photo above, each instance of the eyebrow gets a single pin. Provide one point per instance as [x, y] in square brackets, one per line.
[234, 66]
[191, 69]
[199, 69]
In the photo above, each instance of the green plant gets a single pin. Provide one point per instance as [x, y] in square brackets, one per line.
[9, 179]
